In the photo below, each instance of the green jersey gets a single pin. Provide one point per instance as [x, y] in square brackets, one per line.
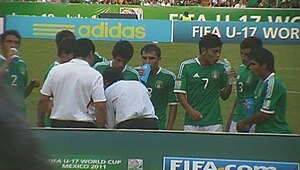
[245, 87]
[47, 119]
[98, 58]
[161, 88]
[202, 85]
[128, 72]
[270, 98]
[14, 82]
[55, 63]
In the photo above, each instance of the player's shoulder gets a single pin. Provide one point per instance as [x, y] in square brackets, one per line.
[99, 57]
[22, 63]
[189, 61]
[167, 72]
[130, 69]
[101, 64]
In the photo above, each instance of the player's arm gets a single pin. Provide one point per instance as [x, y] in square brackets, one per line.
[172, 116]
[229, 117]
[256, 118]
[195, 114]
[32, 84]
[100, 114]
[42, 109]
[225, 92]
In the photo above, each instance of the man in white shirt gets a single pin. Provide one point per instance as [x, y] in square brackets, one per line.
[74, 86]
[128, 103]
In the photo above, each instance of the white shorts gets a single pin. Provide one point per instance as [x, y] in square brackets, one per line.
[210, 128]
[234, 124]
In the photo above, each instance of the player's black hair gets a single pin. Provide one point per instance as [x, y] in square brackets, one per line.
[66, 46]
[111, 75]
[151, 47]
[251, 42]
[64, 34]
[83, 47]
[263, 56]
[123, 49]
[210, 41]
[10, 32]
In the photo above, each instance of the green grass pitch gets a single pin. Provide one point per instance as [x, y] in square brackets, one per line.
[40, 53]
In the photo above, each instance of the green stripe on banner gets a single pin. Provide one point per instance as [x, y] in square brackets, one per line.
[150, 12]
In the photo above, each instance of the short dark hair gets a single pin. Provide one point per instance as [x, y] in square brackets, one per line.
[83, 47]
[112, 75]
[151, 47]
[66, 46]
[123, 49]
[251, 42]
[10, 32]
[210, 41]
[263, 56]
[61, 35]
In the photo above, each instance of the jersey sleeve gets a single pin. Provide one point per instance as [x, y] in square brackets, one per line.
[181, 79]
[46, 88]
[26, 75]
[172, 99]
[100, 67]
[272, 94]
[98, 89]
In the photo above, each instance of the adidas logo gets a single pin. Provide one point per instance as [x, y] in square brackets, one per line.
[196, 75]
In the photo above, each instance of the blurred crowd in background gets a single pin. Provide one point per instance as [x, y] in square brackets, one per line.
[204, 3]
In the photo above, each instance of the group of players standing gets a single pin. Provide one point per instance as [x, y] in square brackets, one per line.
[200, 82]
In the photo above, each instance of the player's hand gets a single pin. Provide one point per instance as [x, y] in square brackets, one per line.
[10, 53]
[140, 71]
[34, 83]
[232, 75]
[195, 114]
[241, 126]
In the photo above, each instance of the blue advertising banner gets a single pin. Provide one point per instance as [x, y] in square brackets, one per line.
[154, 30]
[178, 163]
[235, 32]
[95, 29]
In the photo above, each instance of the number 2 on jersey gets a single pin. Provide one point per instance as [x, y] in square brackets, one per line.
[14, 81]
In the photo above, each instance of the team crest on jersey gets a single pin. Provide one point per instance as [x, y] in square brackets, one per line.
[177, 84]
[215, 74]
[158, 84]
[22, 70]
[266, 104]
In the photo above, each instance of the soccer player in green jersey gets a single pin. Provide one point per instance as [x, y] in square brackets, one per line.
[122, 52]
[270, 96]
[245, 86]
[65, 44]
[65, 34]
[199, 84]
[14, 74]
[160, 84]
